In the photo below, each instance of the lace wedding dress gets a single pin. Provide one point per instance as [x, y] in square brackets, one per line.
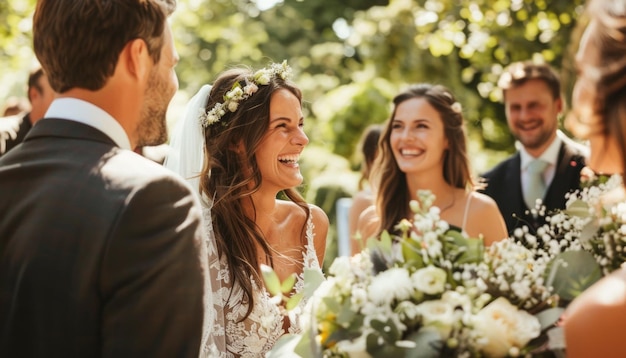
[225, 335]
[257, 334]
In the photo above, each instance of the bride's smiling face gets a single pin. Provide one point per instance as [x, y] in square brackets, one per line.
[279, 151]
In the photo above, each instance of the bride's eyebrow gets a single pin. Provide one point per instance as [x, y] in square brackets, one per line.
[286, 119]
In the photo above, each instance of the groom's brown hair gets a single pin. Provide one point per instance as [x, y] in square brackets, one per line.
[78, 42]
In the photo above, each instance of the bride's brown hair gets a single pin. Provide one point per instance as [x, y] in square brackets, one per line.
[230, 177]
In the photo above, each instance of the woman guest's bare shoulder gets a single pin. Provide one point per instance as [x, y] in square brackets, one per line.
[485, 219]
[598, 315]
[368, 222]
[361, 201]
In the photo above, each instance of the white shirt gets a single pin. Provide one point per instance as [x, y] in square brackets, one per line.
[77, 110]
[550, 155]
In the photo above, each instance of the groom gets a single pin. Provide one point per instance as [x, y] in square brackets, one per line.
[100, 248]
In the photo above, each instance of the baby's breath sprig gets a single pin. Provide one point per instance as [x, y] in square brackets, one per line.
[233, 98]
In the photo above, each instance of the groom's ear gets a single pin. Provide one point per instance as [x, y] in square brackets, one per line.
[136, 60]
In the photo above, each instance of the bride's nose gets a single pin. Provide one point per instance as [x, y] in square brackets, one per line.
[300, 138]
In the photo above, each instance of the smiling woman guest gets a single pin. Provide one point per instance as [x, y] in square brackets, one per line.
[251, 127]
[423, 147]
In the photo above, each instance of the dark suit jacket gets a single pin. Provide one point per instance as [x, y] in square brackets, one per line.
[99, 250]
[504, 186]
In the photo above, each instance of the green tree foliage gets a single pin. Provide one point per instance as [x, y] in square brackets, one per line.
[350, 58]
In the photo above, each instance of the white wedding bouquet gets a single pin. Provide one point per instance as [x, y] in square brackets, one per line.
[429, 292]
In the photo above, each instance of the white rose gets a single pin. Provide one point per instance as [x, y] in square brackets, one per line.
[430, 280]
[232, 106]
[437, 314]
[355, 348]
[502, 326]
[250, 89]
[340, 266]
[262, 77]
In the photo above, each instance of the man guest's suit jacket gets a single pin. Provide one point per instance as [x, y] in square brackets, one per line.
[504, 186]
[100, 252]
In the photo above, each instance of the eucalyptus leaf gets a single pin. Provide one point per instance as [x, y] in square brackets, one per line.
[387, 330]
[474, 251]
[332, 304]
[313, 278]
[571, 272]
[411, 253]
[428, 343]
[272, 282]
[549, 317]
[293, 301]
[307, 347]
[578, 208]
[346, 314]
[287, 285]
[378, 348]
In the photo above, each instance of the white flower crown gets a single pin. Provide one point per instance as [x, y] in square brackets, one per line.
[237, 94]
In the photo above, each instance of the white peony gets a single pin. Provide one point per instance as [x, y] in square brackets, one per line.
[394, 283]
[502, 326]
[430, 280]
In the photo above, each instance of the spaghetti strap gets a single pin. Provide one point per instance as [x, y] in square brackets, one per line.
[467, 205]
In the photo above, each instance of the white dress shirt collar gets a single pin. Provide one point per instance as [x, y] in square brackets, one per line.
[550, 155]
[77, 110]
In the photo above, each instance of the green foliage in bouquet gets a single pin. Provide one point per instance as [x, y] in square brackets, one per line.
[428, 291]
[586, 240]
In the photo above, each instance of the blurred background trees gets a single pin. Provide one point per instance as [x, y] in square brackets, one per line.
[350, 58]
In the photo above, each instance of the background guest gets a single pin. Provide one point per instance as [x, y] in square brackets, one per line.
[364, 198]
[423, 147]
[547, 164]
[13, 129]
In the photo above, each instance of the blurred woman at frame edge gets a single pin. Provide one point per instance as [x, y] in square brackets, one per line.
[595, 322]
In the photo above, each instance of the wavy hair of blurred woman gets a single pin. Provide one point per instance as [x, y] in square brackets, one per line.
[595, 321]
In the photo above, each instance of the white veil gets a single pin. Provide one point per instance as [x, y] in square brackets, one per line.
[186, 158]
[186, 155]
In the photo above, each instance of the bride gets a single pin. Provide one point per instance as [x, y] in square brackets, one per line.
[238, 146]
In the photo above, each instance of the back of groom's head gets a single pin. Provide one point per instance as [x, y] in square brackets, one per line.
[78, 42]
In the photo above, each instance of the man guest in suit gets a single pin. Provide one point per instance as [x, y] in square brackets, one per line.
[533, 102]
[13, 128]
[100, 249]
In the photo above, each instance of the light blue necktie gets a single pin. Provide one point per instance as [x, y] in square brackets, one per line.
[536, 187]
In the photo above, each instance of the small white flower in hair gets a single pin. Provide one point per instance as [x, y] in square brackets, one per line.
[456, 106]
[233, 98]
